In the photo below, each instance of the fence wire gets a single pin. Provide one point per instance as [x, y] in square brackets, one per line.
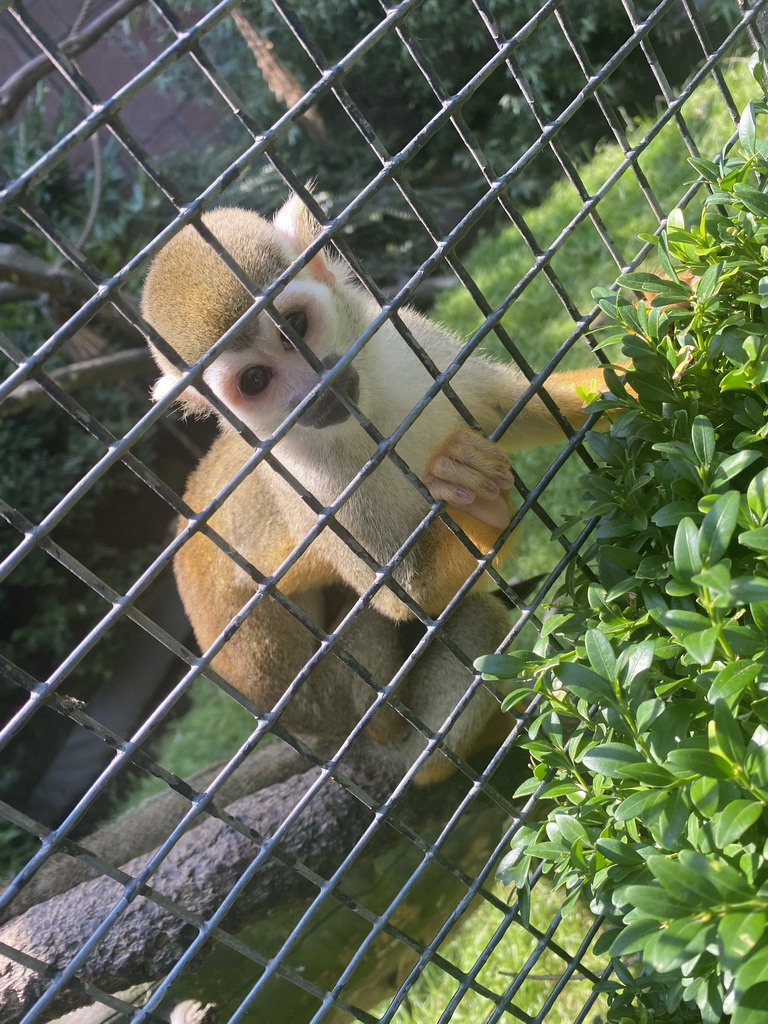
[427, 128]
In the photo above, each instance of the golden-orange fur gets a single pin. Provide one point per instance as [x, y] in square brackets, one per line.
[191, 297]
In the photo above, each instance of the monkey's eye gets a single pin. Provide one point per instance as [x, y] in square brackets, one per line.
[254, 380]
[299, 323]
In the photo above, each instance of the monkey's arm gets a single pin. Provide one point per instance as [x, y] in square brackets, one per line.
[492, 389]
[472, 474]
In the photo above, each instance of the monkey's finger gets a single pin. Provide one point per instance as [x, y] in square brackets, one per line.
[446, 490]
[465, 477]
[475, 450]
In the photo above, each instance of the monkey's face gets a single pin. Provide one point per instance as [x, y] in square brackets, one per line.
[268, 369]
[266, 373]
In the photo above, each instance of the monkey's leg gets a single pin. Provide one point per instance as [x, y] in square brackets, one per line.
[439, 681]
[271, 647]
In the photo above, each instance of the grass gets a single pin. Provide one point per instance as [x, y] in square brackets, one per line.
[434, 990]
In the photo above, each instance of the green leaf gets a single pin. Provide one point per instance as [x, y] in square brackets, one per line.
[600, 653]
[567, 827]
[634, 937]
[548, 851]
[705, 289]
[648, 711]
[669, 727]
[672, 820]
[748, 589]
[665, 258]
[625, 558]
[731, 681]
[640, 281]
[646, 805]
[652, 389]
[685, 881]
[619, 853]
[703, 438]
[585, 684]
[754, 200]
[610, 758]
[635, 660]
[701, 645]
[747, 131]
[700, 762]
[680, 622]
[716, 579]
[756, 539]
[759, 612]
[731, 884]
[686, 549]
[733, 821]
[755, 64]
[501, 666]
[524, 904]
[517, 854]
[725, 734]
[515, 697]
[655, 902]
[756, 760]
[669, 948]
[738, 934]
[706, 168]
[672, 513]
[732, 466]
[757, 494]
[717, 527]
[752, 971]
[705, 796]
[649, 774]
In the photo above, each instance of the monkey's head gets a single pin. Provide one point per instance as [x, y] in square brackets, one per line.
[191, 297]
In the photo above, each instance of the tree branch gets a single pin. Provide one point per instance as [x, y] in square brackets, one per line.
[280, 81]
[100, 370]
[197, 875]
[17, 87]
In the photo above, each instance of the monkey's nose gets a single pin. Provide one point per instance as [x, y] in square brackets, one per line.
[328, 410]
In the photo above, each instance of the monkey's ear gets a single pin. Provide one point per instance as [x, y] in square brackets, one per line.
[298, 228]
[193, 403]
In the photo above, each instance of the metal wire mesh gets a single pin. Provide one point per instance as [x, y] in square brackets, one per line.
[134, 85]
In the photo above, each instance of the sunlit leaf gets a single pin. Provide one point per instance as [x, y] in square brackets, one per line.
[610, 758]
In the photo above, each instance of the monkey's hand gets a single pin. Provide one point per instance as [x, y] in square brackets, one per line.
[472, 472]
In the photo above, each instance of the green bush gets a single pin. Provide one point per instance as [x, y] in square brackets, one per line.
[650, 737]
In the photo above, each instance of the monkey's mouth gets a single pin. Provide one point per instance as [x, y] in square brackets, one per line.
[328, 410]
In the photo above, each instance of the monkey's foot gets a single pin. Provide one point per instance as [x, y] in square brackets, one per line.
[472, 472]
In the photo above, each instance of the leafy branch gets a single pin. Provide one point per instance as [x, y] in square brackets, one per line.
[651, 740]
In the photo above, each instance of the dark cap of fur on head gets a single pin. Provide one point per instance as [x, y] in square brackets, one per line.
[191, 297]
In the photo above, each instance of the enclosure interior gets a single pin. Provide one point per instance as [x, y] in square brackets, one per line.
[488, 163]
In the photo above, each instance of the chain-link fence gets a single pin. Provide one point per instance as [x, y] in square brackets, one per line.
[343, 552]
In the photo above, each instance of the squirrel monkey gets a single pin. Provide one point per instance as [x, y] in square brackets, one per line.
[191, 298]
